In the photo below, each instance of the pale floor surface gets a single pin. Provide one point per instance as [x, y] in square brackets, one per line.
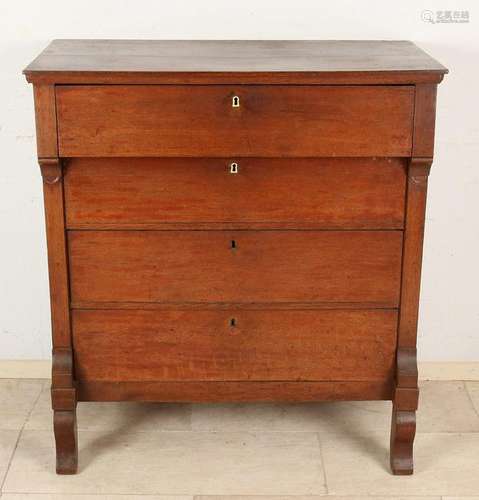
[178, 452]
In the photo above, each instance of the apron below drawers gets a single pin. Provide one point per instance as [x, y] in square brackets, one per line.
[234, 345]
[195, 193]
[235, 266]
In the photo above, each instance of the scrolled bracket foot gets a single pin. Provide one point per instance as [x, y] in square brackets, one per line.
[403, 430]
[65, 428]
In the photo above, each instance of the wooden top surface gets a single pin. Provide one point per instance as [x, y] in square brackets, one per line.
[241, 61]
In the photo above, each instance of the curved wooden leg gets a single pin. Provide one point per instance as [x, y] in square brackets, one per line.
[403, 430]
[65, 428]
[64, 405]
[403, 423]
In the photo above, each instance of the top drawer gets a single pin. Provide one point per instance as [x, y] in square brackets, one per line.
[223, 120]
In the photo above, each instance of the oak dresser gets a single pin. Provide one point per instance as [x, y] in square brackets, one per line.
[234, 221]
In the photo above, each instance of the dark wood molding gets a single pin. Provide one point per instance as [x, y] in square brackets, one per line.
[243, 78]
[238, 306]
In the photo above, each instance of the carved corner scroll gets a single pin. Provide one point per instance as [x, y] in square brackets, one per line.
[51, 169]
[418, 171]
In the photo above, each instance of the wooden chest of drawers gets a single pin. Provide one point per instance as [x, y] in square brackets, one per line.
[234, 221]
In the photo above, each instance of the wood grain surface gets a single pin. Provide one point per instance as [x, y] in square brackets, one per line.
[295, 279]
[245, 61]
[281, 121]
[133, 346]
[242, 266]
[239, 391]
[179, 192]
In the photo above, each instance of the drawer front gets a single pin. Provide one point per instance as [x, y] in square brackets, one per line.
[321, 193]
[235, 266]
[196, 120]
[123, 345]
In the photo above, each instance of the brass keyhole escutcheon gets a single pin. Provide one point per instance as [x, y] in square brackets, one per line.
[235, 102]
[234, 168]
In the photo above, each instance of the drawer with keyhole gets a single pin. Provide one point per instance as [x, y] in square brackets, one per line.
[220, 120]
[232, 344]
[235, 266]
[347, 193]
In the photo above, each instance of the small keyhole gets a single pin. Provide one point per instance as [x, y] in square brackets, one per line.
[233, 244]
[232, 322]
[234, 168]
[236, 102]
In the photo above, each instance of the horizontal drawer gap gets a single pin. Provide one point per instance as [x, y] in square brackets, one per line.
[238, 381]
[239, 82]
[224, 226]
[230, 305]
